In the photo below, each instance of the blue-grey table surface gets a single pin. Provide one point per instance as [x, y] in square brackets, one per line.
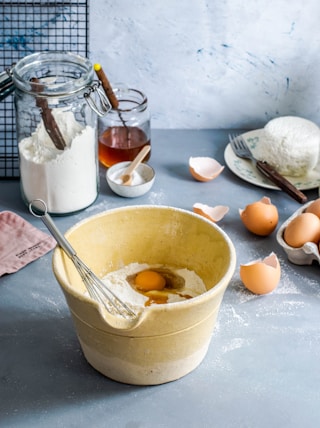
[263, 365]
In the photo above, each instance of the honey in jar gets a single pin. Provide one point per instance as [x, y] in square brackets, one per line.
[125, 130]
[118, 144]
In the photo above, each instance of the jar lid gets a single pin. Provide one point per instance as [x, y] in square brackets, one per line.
[59, 73]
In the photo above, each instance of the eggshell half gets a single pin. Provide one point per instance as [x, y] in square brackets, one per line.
[204, 168]
[261, 217]
[261, 276]
[212, 213]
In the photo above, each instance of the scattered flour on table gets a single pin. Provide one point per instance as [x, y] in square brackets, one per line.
[157, 198]
[53, 304]
[236, 343]
[100, 207]
[244, 316]
[284, 301]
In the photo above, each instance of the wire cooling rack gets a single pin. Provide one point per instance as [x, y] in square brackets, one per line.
[35, 26]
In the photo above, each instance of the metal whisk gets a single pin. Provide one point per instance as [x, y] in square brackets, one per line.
[95, 287]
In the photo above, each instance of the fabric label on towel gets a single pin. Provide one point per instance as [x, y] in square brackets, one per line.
[20, 242]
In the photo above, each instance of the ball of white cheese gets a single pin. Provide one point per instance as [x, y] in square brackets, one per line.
[290, 144]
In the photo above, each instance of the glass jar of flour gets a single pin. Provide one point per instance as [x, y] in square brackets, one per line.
[56, 130]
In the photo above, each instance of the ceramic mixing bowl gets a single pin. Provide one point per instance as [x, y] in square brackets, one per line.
[167, 341]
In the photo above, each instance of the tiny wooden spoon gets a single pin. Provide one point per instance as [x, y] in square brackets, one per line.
[126, 177]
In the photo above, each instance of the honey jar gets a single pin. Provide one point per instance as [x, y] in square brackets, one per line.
[125, 129]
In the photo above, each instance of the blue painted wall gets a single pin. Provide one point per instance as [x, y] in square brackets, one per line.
[213, 63]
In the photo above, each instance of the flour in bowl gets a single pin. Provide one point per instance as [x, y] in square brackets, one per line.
[290, 144]
[121, 283]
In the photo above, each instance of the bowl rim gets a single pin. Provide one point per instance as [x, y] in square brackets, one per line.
[222, 283]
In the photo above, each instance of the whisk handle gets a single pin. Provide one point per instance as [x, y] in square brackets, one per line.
[61, 240]
[55, 232]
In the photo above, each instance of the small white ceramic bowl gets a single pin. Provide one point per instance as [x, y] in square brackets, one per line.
[143, 179]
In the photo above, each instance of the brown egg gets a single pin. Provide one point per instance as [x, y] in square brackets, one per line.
[204, 168]
[303, 228]
[261, 276]
[314, 207]
[211, 213]
[260, 218]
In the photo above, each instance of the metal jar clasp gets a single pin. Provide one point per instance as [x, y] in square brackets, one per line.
[6, 83]
[97, 99]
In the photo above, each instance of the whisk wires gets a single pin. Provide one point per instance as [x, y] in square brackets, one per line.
[99, 292]
[96, 288]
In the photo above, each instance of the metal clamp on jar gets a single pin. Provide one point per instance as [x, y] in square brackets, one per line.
[6, 83]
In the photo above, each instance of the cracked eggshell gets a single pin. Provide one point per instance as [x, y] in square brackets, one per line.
[261, 217]
[261, 276]
[204, 168]
[307, 253]
[214, 214]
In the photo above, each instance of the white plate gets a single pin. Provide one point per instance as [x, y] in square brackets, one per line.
[246, 169]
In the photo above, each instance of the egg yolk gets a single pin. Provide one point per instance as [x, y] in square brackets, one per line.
[149, 280]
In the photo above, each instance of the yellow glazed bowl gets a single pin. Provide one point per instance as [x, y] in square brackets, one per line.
[167, 341]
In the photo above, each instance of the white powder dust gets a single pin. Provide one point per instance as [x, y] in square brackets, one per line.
[117, 282]
[136, 177]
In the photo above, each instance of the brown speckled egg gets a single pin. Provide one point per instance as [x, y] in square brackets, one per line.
[314, 207]
[303, 228]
